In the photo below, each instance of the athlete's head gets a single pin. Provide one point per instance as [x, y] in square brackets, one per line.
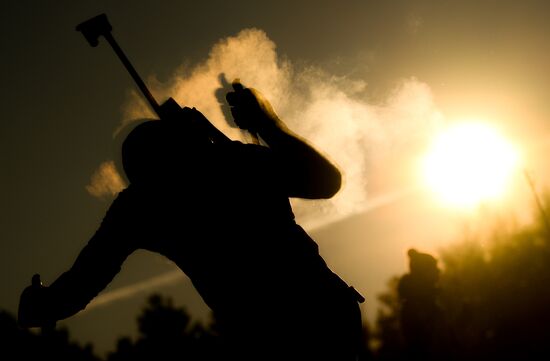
[156, 149]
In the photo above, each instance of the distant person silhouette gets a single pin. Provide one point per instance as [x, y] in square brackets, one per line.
[220, 210]
[419, 310]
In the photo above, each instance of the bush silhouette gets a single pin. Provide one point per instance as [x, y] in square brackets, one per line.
[167, 333]
[22, 344]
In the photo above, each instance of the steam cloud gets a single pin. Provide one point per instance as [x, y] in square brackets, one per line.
[106, 181]
[331, 112]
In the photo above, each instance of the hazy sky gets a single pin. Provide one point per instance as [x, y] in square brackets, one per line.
[368, 81]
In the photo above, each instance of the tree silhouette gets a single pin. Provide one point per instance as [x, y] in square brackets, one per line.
[167, 333]
[496, 298]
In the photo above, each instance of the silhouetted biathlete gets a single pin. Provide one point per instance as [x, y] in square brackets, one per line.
[220, 210]
[419, 310]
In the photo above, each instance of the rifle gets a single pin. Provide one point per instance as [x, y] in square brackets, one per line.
[98, 26]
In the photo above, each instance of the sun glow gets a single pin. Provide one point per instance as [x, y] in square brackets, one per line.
[469, 163]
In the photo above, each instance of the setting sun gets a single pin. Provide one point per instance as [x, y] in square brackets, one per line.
[469, 163]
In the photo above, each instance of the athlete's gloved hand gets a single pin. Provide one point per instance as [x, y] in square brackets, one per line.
[250, 110]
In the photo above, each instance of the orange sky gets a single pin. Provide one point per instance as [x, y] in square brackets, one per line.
[62, 101]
